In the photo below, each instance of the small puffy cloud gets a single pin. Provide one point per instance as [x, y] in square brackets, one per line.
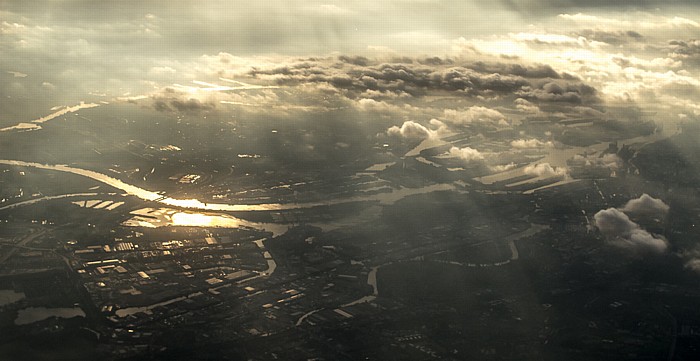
[467, 154]
[608, 161]
[530, 144]
[646, 205]
[502, 167]
[410, 130]
[545, 170]
[440, 129]
[473, 114]
[624, 233]
[48, 86]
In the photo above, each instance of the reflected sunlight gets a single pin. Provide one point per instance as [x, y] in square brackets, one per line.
[201, 220]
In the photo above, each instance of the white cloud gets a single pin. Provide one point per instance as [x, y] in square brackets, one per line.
[646, 205]
[17, 74]
[467, 154]
[502, 167]
[410, 130]
[473, 114]
[530, 144]
[556, 39]
[162, 70]
[624, 233]
[381, 106]
[545, 170]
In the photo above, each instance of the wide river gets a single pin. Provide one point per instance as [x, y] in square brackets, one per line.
[383, 198]
[555, 157]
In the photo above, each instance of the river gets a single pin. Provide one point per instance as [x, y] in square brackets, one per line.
[383, 198]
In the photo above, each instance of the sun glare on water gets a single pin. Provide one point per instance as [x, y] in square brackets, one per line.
[202, 220]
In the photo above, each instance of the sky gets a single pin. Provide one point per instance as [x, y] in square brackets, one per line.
[543, 52]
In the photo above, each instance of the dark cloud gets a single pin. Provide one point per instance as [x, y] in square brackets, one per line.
[354, 60]
[685, 50]
[622, 232]
[534, 71]
[575, 93]
[435, 61]
[419, 78]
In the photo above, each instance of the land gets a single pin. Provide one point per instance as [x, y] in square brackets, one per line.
[373, 255]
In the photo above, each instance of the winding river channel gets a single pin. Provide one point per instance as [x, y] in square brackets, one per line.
[383, 198]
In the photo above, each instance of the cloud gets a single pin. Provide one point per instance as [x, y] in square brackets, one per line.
[646, 205]
[530, 144]
[354, 60]
[172, 100]
[357, 75]
[532, 71]
[545, 170]
[410, 130]
[644, 20]
[685, 50]
[562, 93]
[367, 104]
[608, 161]
[48, 86]
[159, 70]
[502, 167]
[693, 264]
[473, 114]
[525, 106]
[691, 259]
[550, 67]
[612, 37]
[467, 154]
[17, 74]
[624, 233]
